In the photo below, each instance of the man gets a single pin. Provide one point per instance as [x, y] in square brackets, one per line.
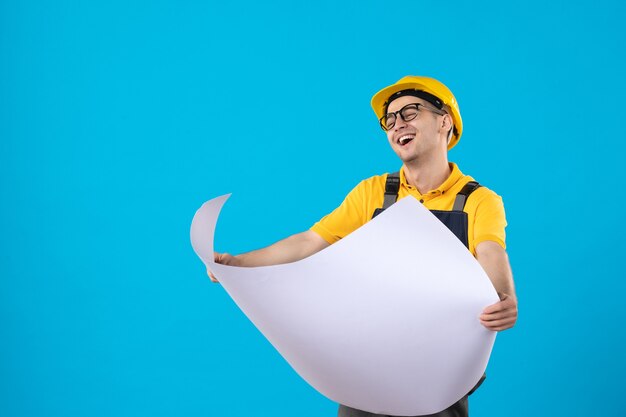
[422, 121]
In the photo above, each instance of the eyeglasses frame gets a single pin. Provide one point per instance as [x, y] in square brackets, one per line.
[399, 113]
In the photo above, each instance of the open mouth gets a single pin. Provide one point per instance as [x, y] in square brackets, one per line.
[405, 139]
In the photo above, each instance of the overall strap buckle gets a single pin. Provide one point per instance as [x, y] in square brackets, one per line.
[463, 195]
[392, 186]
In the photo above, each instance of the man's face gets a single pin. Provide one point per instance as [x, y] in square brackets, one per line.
[418, 138]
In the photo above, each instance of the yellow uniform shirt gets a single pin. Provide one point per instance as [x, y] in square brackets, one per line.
[486, 218]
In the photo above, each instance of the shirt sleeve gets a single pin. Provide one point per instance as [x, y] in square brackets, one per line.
[489, 221]
[349, 216]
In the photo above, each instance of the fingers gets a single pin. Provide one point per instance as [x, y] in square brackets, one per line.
[498, 316]
[220, 258]
[499, 325]
[213, 279]
[501, 315]
[502, 318]
[217, 258]
[224, 258]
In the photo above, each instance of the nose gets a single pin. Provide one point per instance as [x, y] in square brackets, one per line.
[400, 123]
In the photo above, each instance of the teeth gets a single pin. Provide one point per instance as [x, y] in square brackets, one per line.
[405, 139]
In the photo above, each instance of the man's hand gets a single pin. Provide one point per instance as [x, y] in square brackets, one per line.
[501, 315]
[224, 259]
[494, 260]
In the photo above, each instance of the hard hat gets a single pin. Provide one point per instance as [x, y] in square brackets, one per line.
[442, 95]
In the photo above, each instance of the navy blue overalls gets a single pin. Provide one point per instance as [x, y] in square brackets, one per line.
[456, 221]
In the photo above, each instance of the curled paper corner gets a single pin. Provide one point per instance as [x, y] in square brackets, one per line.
[373, 321]
[202, 230]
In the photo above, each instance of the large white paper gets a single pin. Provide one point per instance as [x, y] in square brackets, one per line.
[385, 320]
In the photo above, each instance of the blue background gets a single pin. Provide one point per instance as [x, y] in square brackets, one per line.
[118, 119]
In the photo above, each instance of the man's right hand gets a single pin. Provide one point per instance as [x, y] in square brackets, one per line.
[224, 259]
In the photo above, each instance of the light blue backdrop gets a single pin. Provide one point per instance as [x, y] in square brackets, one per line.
[118, 119]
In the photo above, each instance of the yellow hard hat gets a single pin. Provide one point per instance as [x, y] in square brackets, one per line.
[436, 93]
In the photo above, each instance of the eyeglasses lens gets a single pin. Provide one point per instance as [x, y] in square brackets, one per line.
[407, 113]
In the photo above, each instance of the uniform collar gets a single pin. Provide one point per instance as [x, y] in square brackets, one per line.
[452, 179]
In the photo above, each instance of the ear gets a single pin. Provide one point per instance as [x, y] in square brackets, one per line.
[446, 126]
[446, 123]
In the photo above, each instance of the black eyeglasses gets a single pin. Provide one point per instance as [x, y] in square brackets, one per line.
[407, 113]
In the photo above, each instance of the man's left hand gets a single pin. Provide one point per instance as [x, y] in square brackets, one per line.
[501, 315]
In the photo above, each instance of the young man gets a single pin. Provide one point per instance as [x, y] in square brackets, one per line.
[422, 121]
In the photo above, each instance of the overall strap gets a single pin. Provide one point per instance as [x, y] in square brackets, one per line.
[392, 185]
[461, 197]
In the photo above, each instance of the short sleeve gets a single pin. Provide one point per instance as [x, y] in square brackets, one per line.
[346, 218]
[489, 221]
